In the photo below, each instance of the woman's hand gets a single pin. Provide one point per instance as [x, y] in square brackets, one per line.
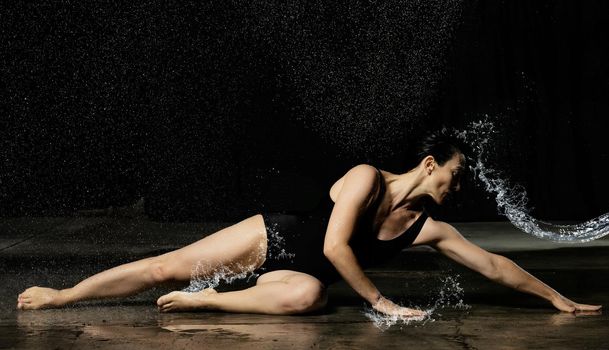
[388, 307]
[566, 305]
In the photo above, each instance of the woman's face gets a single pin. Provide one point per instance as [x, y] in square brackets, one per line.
[446, 178]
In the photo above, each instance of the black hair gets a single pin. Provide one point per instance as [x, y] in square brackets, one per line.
[442, 145]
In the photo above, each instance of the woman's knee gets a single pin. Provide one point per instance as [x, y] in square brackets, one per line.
[304, 297]
[159, 271]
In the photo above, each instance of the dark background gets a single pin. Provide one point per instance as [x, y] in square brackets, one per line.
[217, 110]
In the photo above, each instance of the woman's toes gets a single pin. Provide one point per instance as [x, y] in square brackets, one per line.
[167, 307]
[165, 299]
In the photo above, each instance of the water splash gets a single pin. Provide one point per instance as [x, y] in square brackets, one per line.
[512, 199]
[450, 295]
[276, 244]
[202, 279]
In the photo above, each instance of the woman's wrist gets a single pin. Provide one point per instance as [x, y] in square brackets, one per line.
[375, 298]
[554, 297]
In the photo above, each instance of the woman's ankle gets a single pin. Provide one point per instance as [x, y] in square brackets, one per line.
[207, 298]
[64, 297]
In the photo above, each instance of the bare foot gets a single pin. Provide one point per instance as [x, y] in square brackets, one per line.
[182, 301]
[38, 298]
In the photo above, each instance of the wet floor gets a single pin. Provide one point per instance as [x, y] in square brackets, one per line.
[58, 252]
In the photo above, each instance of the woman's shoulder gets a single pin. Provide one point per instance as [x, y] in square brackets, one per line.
[362, 175]
[361, 180]
[365, 170]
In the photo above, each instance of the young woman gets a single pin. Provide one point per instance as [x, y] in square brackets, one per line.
[373, 214]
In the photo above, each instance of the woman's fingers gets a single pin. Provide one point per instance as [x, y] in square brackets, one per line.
[388, 307]
[569, 306]
[407, 312]
[412, 312]
[586, 307]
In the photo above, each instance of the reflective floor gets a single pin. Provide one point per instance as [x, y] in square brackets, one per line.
[58, 252]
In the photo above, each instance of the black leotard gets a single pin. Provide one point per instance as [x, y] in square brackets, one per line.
[295, 242]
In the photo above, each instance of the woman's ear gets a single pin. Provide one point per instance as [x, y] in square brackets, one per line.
[429, 163]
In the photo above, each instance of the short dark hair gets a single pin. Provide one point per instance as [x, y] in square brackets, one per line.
[442, 145]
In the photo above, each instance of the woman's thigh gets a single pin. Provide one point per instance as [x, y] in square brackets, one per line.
[238, 248]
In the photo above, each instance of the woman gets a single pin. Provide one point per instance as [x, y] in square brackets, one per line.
[374, 214]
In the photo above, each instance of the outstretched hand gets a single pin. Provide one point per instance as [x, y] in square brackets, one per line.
[390, 308]
[567, 305]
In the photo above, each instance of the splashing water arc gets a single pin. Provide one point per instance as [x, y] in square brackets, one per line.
[511, 200]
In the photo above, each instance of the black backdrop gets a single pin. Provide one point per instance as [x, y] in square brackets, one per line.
[222, 109]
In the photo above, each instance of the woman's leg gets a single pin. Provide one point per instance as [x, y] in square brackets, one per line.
[241, 247]
[281, 292]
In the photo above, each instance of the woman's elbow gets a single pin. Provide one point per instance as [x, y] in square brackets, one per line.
[329, 250]
[332, 250]
[495, 268]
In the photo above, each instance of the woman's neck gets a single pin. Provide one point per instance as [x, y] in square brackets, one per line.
[407, 189]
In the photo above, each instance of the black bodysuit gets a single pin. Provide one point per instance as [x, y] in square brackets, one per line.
[295, 242]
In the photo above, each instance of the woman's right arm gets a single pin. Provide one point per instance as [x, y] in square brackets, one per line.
[353, 199]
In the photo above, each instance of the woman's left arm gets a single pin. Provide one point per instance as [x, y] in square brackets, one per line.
[499, 268]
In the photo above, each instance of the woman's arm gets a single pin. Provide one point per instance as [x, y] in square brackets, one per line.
[354, 197]
[498, 268]
[356, 194]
